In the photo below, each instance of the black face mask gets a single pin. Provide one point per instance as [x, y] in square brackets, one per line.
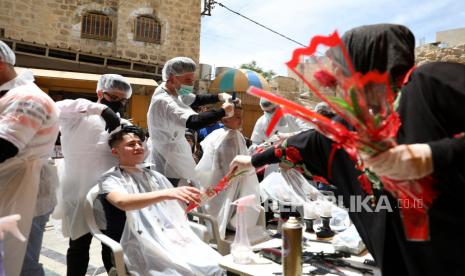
[115, 106]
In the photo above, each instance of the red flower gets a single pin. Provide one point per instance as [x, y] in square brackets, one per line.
[293, 155]
[278, 152]
[325, 78]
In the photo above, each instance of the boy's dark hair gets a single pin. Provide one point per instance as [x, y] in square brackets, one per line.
[116, 137]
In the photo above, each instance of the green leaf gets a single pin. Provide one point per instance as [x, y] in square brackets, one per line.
[357, 109]
[342, 104]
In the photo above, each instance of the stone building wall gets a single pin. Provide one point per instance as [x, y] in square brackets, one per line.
[429, 53]
[452, 37]
[58, 23]
[282, 83]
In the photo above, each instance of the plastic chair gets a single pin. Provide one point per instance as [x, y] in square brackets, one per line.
[115, 246]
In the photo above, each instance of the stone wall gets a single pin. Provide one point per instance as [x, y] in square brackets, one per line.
[452, 37]
[58, 23]
[429, 53]
[282, 83]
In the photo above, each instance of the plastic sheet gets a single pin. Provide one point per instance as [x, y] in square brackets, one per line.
[219, 149]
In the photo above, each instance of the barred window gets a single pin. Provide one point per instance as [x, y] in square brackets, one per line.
[97, 26]
[147, 29]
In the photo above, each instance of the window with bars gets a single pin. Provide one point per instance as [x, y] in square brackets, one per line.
[147, 29]
[97, 26]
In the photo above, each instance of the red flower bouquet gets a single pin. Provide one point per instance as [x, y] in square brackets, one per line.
[366, 103]
[212, 191]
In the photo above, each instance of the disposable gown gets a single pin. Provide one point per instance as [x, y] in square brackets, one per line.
[219, 149]
[157, 240]
[87, 156]
[287, 124]
[289, 187]
[28, 119]
[167, 117]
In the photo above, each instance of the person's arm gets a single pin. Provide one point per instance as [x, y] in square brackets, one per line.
[128, 202]
[79, 107]
[203, 119]
[431, 111]
[23, 115]
[447, 152]
[308, 147]
[205, 99]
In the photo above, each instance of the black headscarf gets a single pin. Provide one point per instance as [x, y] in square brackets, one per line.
[382, 47]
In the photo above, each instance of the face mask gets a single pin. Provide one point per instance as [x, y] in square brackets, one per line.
[115, 106]
[185, 90]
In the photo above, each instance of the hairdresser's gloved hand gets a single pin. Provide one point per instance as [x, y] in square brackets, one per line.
[224, 97]
[243, 163]
[111, 119]
[403, 162]
[228, 109]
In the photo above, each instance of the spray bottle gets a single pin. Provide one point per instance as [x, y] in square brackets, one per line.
[8, 224]
[241, 250]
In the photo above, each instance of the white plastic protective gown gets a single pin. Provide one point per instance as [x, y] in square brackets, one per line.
[289, 187]
[167, 117]
[157, 240]
[87, 156]
[219, 149]
[287, 124]
[28, 119]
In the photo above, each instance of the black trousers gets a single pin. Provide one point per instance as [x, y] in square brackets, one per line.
[77, 257]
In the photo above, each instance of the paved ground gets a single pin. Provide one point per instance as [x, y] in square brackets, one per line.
[53, 254]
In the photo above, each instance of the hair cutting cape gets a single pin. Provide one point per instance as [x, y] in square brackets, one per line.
[289, 187]
[219, 149]
[157, 239]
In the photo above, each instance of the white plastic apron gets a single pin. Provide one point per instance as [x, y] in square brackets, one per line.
[86, 157]
[19, 185]
[220, 147]
[174, 158]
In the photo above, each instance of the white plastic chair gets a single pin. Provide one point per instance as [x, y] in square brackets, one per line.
[115, 246]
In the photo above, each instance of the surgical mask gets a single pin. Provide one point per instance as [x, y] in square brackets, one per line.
[184, 90]
[117, 107]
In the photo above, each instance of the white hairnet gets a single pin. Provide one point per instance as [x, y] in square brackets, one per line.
[111, 82]
[266, 105]
[177, 66]
[6, 54]
[323, 108]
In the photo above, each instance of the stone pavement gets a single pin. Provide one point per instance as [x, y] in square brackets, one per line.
[53, 254]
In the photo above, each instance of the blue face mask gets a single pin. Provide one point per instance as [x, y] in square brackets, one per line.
[185, 90]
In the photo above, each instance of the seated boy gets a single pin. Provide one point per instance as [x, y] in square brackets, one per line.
[149, 220]
[219, 149]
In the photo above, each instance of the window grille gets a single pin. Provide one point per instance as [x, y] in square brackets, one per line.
[147, 29]
[97, 26]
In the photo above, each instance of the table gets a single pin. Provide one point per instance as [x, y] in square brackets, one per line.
[262, 266]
